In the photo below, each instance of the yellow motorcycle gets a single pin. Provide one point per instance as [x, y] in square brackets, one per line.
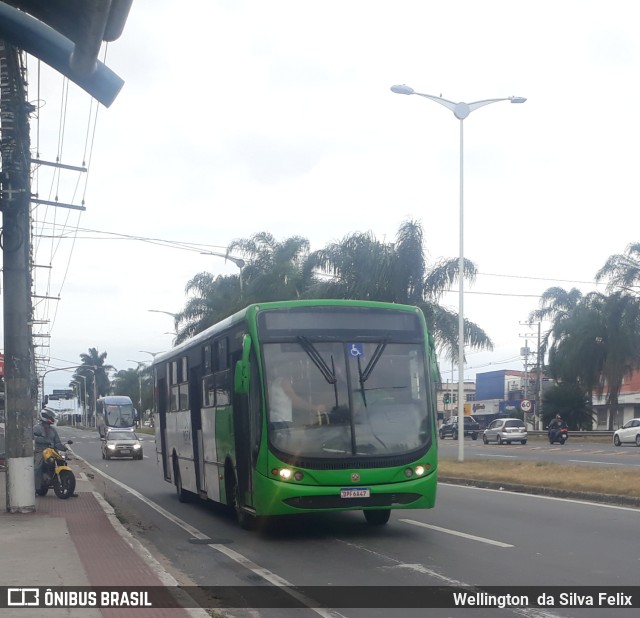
[57, 474]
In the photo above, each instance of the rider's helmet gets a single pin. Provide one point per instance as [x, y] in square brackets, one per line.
[558, 417]
[47, 417]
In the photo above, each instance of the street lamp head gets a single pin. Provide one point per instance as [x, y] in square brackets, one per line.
[517, 99]
[239, 262]
[402, 89]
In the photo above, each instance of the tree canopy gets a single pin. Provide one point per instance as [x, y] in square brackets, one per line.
[359, 266]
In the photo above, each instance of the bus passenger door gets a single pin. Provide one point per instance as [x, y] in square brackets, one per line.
[242, 431]
[160, 423]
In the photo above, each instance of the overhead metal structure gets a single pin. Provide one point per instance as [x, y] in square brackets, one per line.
[67, 35]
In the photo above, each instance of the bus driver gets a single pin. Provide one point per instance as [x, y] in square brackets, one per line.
[283, 399]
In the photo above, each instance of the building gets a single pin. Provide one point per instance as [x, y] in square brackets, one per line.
[447, 398]
[628, 404]
[506, 392]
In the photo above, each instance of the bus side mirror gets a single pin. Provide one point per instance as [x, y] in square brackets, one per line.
[243, 368]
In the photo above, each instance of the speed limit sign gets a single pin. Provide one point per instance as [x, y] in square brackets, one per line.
[525, 405]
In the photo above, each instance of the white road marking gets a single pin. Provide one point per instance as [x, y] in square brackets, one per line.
[265, 574]
[604, 463]
[449, 581]
[490, 455]
[520, 494]
[464, 535]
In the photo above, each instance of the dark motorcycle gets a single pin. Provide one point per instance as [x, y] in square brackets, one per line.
[57, 474]
[560, 435]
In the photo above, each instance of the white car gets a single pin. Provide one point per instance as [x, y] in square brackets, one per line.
[506, 430]
[629, 432]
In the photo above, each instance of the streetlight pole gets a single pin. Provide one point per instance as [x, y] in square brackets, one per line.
[153, 354]
[140, 364]
[51, 371]
[460, 111]
[173, 315]
[239, 262]
[84, 403]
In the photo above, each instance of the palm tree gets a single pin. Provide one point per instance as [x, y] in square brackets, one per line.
[597, 345]
[212, 300]
[94, 371]
[556, 304]
[136, 384]
[362, 267]
[274, 270]
[621, 313]
[126, 382]
[622, 271]
[358, 267]
[577, 352]
[571, 402]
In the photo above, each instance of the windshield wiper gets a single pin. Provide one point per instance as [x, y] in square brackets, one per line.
[328, 373]
[375, 357]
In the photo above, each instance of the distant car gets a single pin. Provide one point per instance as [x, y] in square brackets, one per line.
[121, 444]
[629, 432]
[505, 430]
[450, 428]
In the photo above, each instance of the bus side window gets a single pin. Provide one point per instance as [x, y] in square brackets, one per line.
[223, 388]
[206, 358]
[174, 405]
[184, 396]
[222, 351]
[208, 391]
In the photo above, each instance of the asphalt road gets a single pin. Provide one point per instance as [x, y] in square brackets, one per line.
[575, 452]
[474, 537]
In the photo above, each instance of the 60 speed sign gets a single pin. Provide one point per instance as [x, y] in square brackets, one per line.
[525, 405]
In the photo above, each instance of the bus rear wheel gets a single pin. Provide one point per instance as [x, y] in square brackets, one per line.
[183, 495]
[377, 518]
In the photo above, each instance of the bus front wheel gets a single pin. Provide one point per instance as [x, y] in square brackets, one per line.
[377, 518]
[245, 519]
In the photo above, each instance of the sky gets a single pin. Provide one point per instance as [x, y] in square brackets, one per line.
[242, 116]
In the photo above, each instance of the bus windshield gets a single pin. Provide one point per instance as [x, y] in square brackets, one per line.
[121, 415]
[344, 399]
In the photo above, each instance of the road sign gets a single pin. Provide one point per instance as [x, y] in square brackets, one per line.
[525, 405]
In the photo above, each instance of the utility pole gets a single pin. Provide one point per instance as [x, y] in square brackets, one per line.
[539, 384]
[15, 196]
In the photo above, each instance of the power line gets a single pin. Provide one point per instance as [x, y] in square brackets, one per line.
[538, 278]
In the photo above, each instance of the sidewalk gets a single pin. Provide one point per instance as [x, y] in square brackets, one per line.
[78, 542]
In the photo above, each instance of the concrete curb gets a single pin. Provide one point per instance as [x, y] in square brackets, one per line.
[544, 491]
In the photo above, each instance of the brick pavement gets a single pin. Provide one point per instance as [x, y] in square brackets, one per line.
[103, 553]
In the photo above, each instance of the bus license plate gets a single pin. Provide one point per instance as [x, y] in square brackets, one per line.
[355, 492]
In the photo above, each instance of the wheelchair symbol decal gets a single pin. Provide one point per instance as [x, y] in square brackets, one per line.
[356, 349]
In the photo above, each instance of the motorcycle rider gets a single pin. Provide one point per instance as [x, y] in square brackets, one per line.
[555, 426]
[45, 435]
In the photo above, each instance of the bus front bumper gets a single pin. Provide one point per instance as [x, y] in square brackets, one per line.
[274, 497]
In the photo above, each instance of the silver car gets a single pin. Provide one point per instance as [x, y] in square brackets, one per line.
[629, 432]
[506, 430]
[118, 443]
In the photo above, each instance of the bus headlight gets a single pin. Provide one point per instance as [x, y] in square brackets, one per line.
[286, 474]
[418, 471]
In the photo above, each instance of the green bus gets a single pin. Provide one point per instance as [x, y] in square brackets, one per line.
[302, 407]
